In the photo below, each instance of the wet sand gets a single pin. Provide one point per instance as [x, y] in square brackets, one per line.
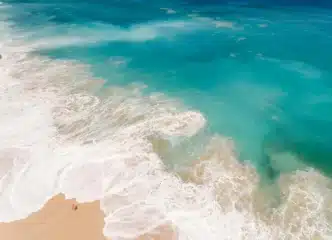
[57, 220]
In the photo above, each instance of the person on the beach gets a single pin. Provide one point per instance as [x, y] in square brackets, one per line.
[74, 207]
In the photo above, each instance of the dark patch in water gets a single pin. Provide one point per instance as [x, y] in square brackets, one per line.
[310, 150]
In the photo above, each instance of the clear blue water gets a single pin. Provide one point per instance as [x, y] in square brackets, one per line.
[263, 76]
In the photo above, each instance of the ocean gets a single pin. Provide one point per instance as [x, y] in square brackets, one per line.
[212, 116]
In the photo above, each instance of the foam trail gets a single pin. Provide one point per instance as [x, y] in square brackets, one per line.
[98, 33]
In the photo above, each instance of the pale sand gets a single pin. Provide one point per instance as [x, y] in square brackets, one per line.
[58, 221]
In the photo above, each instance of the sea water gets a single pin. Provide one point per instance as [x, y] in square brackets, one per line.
[214, 118]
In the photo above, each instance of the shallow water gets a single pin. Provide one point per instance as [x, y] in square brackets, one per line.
[170, 113]
[267, 68]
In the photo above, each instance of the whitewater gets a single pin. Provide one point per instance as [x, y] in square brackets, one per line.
[63, 131]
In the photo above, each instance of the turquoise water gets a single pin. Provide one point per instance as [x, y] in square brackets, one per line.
[261, 75]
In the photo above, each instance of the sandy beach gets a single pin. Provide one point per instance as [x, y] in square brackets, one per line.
[59, 221]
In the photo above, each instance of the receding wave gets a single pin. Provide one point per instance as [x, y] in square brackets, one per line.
[61, 125]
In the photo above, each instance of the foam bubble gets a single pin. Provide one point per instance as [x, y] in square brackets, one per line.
[168, 10]
[263, 25]
[224, 24]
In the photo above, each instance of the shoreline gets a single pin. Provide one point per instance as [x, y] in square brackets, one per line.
[58, 221]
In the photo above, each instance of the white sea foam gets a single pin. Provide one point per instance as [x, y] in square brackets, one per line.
[224, 24]
[54, 36]
[58, 136]
[168, 10]
[306, 70]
